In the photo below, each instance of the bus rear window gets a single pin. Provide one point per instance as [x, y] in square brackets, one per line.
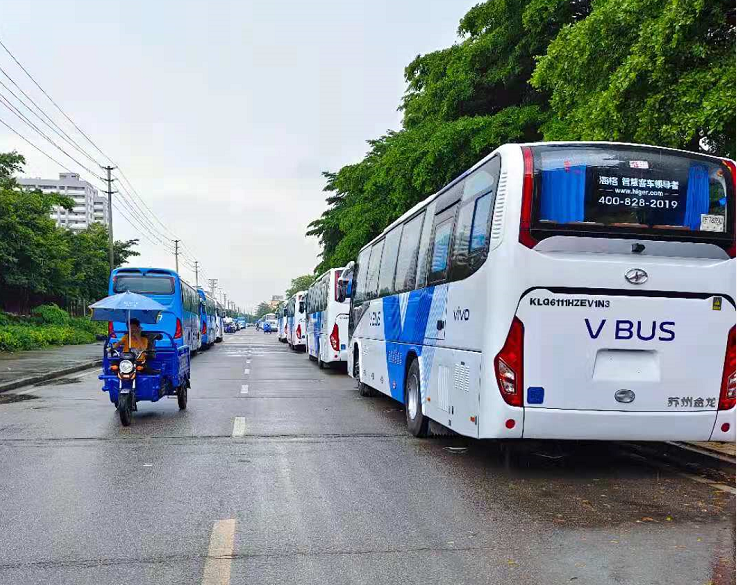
[142, 284]
[606, 188]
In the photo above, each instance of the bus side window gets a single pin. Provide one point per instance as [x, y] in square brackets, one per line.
[408, 249]
[372, 278]
[389, 261]
[425, 246]
[363, 262]
[471, 233]
[442, 236]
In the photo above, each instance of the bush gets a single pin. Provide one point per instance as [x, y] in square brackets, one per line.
[49, 325]
[50, 315]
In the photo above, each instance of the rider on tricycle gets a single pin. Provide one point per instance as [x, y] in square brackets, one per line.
[142, 365]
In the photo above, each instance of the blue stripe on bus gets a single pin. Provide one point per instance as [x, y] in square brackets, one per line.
[405, 323]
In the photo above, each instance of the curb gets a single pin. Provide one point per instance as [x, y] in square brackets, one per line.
[683, 455]
[30, 380]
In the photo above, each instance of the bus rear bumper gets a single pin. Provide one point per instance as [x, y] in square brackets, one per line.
[544, 423]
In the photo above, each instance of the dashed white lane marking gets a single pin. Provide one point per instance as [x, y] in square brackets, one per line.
[244, 389]
[220, 553]
[248, 361]
[247, 371]
[239, 426]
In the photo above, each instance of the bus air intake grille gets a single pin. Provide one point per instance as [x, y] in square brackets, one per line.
[461, 377]
[497, 222]
[444, 388]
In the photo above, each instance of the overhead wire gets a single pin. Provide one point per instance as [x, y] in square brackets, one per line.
[129, 195]
[17, 113]
[53, 125]
[47, 155]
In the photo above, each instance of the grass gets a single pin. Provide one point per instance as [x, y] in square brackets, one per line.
[48, 325]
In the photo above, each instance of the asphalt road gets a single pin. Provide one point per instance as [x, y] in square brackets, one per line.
[322, 486]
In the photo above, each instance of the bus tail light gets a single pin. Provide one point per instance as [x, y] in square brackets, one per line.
[335, 338]
[299, 332]
[728, 393]
[733, 170]
[110, 330]
[508, 365]
[204, 328]
[178, 330]
[525, 221]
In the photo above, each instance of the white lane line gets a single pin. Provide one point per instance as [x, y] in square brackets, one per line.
[244, 389]
[247, 371]
[239, 426]
[220, 553]
[248, 361]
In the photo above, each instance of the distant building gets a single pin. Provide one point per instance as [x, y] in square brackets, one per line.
[89, 206]
[275, 300]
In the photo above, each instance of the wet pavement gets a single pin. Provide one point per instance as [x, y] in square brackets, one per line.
[24, 364]
[279, 472]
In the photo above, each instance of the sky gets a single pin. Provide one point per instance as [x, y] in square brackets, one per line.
[222, 114]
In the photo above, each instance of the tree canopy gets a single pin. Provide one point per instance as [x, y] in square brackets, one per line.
[656, 71]
[40, 261]
[300, 283]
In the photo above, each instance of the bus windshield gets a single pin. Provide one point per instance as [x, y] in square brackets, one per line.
[605, 188]
[143, 284]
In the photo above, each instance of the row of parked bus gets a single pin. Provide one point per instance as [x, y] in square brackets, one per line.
[194, 318]
[316, 322]
[552, 291]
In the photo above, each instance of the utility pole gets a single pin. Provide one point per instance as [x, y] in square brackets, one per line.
[213, 283]
[176, 255]
[196, 274]
[110, 215]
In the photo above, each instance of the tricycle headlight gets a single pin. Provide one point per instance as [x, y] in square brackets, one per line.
[126, 366]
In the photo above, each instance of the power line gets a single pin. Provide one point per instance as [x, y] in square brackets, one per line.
[54, 126]
[23, 118]
[53, 102]
[34, 146]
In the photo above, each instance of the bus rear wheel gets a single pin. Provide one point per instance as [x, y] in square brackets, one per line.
[417, 423]
[363, 389]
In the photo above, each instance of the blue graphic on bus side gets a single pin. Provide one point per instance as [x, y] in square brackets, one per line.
[405, 322]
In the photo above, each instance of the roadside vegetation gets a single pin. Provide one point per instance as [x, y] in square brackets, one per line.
[46, 326]
[651, 71]
[42, 263]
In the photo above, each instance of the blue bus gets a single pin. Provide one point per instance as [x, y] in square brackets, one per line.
[208, 319]
[166, 287]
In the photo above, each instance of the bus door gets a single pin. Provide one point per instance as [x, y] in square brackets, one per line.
[438, 273]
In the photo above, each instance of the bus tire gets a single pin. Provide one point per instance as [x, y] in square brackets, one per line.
[417, 423]
[363, 389]
[182, 397]
[320, 363]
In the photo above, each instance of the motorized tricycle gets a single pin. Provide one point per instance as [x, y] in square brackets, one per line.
[130, 376]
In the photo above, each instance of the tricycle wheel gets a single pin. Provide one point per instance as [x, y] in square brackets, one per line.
[182, 397]
[124, 410]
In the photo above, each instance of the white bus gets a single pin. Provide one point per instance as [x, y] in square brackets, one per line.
[327, 321]
[281, 323]
[558, 291]
[296, 327]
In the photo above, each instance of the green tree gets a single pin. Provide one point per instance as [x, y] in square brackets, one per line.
[262, 309]
[300, 283]
[34, 254]
[461, 103]
[652, 71]
[39, 261]
[90, 270]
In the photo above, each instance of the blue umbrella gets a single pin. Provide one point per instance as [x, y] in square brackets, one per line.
[126, 306]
